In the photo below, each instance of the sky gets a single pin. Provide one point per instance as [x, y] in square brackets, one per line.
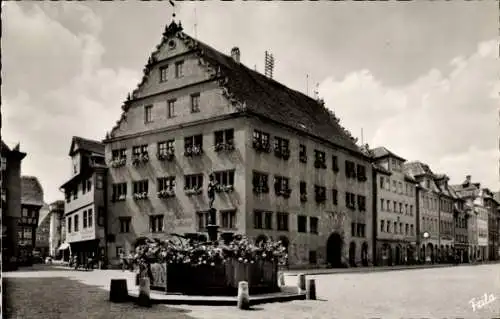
[420, 78]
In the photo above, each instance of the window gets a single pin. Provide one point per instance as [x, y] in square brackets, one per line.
[84, 219]
[335, 196]
[263, 220]
[228, 219]
[382, 226]
[193, 182]
[118, 157]
[100, 216]
[69, 224]
[148, 114]
[395, 227]
[166, 183]
[155, 223]
[99, 181]
[89, 185]
[84, 187]
[67, 194]
[353, 229]
[171, 108]
[313, 225]
[319, 159]
[361, 173]
[224, 140]
[282, 219]
[303, 191]
[388, 226]
[119, 191]
[350, 169]
[381, 204]
[361, 203]
[411, 210]
[350, 200]
[394, 186]
[125, 224]
[302, 153]
[335, 163]
[166, 148]
[302, 224]
[77, 226]
[320, 193]
[141, 187]
[281, 186]
[400, 208]
[258, 219]
[75, 192]
[401, 228]
[360, 230]
[260, 182]
[406, 209]
[395, 205]
[193, 145]
[139, 151]
[282, 148]
[407, 229]
[388, 206]
[202, 219]
[163, 73]
[179, 69]
[195, 103]
[382, 184]
[225, 178]
[313, 259]
[261, 141]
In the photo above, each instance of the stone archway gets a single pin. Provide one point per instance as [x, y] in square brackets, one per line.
[334, 246]
[364, 254]
[352, 254]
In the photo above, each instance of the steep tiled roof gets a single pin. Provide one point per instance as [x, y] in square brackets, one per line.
[31, 191]
[87, 145]
[417, 168]
[254, 93]
[381, 151]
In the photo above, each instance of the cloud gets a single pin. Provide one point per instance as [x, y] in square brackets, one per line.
[65, 91]
[450, 122]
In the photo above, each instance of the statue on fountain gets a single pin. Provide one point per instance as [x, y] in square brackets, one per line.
[212, 226]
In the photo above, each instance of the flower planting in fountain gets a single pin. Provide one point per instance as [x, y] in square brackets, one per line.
[178, 250]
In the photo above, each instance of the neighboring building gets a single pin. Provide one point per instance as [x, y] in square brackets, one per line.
[491, 205]
[84, 209]
[429, 194]
[57, 233]
[394, 209]
[496, 230]
[446, 223]
[10, 173]
[286, 168]
[461, 216]
[31, 204]
[43, 232]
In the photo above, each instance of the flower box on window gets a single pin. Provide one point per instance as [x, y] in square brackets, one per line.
[224, 188]
[192, 191]
[193, 151]
[303, 197]
[168, 156]
[261, 146]
[118, 162]
[166, 193]
[142, 195]
[284, 193]
[229, 146]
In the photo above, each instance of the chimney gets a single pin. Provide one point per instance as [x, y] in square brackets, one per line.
[235, 54]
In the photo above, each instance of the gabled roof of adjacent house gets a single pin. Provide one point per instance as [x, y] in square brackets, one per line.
[86, 145]
[31, 191]
[417, 168]
[255, 94]
[381, 152]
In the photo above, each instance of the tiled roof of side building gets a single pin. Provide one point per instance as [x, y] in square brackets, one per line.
[417, 168]
[262, 96]
[381, 151]
[31, 191]
[88, 145]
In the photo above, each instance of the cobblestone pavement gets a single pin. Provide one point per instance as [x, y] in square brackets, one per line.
[56, 293]
[423, 293]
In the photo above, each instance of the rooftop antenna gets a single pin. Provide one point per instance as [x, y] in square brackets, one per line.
[268, 65]
[195, 24]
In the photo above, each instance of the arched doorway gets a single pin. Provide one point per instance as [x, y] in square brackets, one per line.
[397, 258]
[364, 254]
[352, 254]
[334, 247]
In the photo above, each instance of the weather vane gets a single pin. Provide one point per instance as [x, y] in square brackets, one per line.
[173, 7]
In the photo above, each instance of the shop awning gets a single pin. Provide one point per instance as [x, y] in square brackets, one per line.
[63, 246]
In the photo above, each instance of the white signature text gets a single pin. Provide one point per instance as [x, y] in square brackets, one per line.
[478, 303]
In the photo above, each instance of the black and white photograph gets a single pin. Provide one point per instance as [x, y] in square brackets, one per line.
[250, 159]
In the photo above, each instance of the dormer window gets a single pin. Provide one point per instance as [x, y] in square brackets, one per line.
[179, 69]
[163, 73]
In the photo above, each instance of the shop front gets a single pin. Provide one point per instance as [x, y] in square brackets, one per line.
[85, 249]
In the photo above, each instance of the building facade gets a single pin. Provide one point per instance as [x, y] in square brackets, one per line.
[57, 231]
[491, 205]
[461, 216]
[299, 178]
[395, 210]
[428, 239]
[446, 221]
[10, 171]
[84, 208]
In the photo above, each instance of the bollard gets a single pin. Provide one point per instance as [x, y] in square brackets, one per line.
[243, 296]
[301, 284]
[118, 291]
[281, 279]
[144, 299]
[311, 290]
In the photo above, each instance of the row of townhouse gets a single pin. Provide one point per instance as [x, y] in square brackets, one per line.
[285, 169]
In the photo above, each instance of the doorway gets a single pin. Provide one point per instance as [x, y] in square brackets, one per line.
[334, 247]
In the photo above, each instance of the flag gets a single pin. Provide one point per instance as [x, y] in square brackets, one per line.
[172, 3]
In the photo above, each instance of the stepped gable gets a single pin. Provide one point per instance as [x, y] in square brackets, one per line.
[254, 93]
